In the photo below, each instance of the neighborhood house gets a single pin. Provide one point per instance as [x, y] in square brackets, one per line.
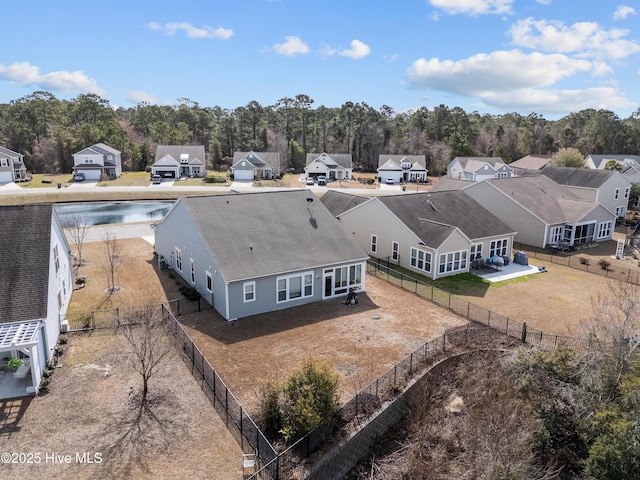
[253, 253]
[176, 161]
[332, 166]
[255, 165]
[97, 161]
[36, 286]
[12, 167]
[402, 168]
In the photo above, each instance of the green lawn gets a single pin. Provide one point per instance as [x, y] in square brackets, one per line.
[50, 181]
[128, 179]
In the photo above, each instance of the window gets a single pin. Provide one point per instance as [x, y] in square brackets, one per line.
[394, 250]
[293, 286]
[374, 243]
[420, 259]
[616, 194]
[4, 162]
[604, 230]
[498, 248]
[56, 258]
[475, 251]
[109, 157]
[453, 262]
[88, 160]
[626, 192]
[249, 291]
[619, 211]
[209, 281]
[178, 260]
[555, 235]
[192, 266]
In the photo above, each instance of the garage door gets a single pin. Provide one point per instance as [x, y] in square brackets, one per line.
[6, 177]
[243, 174]
[91, 174]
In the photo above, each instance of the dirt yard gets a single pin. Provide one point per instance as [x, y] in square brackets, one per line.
[89, 408]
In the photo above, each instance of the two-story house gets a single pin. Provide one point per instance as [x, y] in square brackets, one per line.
[251, 165]
[333, 166]
[12, 167]
[402, 168]
[97, 161]
[176, 161]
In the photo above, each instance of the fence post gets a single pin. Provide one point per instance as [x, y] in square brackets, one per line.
[411, 364]
[507, 329]
[468, 309]
[178, 307]
[489, 319]
[241, 432]
[524, 332]
[444, 342]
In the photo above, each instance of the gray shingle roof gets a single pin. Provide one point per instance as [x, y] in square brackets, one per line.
[195, 152]
[342, 159]
[339, 202]
[253, 235]
[413, 159]
[531, 162]
[25, 237]
[579, 177]
[450, 184]
[544, 198]
[259, 158]
[598, 159]
[426, 213]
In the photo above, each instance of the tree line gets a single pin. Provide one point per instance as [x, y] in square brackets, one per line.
[48, 131]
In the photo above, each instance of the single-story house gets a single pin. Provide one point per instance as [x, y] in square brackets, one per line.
[333, 166]
[251, 165]
[338, 202]
[176, 161]
[478, 168]
[402, 168]
[12, 166]
[530, 163]
[251, 253]
[98, 160]
[543, 212]
[599, 162]
[608, 187]
[36, 286]
[435, 234]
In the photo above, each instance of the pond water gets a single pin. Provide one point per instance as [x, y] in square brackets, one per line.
[107, 213]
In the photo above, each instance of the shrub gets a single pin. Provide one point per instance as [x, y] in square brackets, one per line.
[214, 179]
[47, 180]
[81, 280]
[604, 264]
[14, 364]
[370, 181]
[584, 261]
[189, 292]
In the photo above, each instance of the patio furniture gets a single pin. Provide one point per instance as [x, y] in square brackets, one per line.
[22, 370]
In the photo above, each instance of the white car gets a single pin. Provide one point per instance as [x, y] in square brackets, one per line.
[389, 181]
[310, 181]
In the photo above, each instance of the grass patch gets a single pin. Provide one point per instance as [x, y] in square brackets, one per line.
[557, 299]
[40, 180]
[128, 179]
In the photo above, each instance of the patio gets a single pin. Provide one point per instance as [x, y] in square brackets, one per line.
[19, 340]
[11, 387]
[506, 272]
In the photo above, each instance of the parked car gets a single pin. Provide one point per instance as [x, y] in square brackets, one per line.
[78, 177]
[322, 180]
[156, 179]
[310, 181]
[389, 181]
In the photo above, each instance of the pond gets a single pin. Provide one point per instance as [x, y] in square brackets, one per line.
[107, 213]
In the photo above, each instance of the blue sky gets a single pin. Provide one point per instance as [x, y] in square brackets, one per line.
[551, 57]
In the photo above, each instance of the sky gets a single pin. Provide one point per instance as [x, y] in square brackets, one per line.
[550, 57]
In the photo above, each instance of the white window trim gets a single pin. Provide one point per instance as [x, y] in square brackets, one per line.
[208, 279]
[178, 259]
[626, 192]
[395, 250]
[475, 250]
[374, 244]
[504, 245]
[425, 255]
[444, 261]
[192, 269]
[287, 278]
[244, 291]
[616, 194]
[604, 229]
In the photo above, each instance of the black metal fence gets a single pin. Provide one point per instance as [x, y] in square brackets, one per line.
[238, 422]
[114, 317]
[462, 307]
[575, 260]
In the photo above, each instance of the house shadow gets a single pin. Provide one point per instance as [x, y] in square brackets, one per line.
[11, 412]
[212, 324]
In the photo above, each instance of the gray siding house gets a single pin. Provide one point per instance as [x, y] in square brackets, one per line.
[434, 234]
[11, 166]
[250, 165]
[543, 212]
[175, 161]
[36, 286]
[253, 253]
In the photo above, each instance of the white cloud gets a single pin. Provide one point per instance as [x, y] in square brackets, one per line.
[328, 51]
[473, 7]
[67, 82]
[357, 51]
[544, 2]
[292, 46]
[558, 101]
[138, 96]
[587, 39]
[205, 31]
[499, 71]
[623, 11]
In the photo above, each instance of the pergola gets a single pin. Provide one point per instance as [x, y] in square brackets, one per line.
[22, 336]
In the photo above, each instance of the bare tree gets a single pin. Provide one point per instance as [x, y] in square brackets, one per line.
[113, 256]
[149, 346]
[77, 228]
